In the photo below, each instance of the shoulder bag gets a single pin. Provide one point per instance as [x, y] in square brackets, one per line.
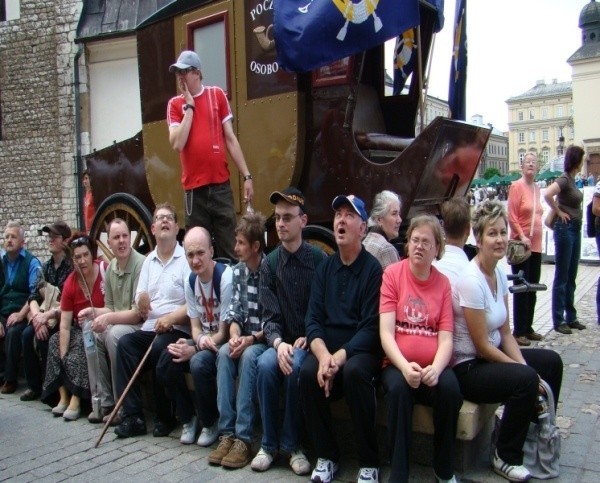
[517, 252]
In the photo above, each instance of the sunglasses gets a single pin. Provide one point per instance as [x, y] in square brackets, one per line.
[184, 71]
[78, 242]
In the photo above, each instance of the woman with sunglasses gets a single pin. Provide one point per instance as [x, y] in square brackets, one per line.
[488, 363]
[66, 370]
[415, 326]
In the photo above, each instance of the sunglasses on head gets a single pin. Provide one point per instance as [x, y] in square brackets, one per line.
[78, 242]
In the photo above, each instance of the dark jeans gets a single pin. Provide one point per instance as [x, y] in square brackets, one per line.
[203, 367]
[12, 348]
[212, 207]
[598, 284]
[524, 303]
[130, 351]
[515, 385]
[567, 246]
[35, 355]
[356, 382]
[445, 399]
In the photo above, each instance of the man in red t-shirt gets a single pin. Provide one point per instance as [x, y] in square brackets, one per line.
[201, 130]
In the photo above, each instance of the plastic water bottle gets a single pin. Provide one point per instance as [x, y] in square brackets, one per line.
[89, 341]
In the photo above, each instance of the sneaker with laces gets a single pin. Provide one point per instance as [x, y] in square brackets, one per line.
[225, 443]
[131, 426]
[451, 480]
[510, 472]
[368, 474]
[238, 456]
[263, 460]
[324, 471]
[299, 463]
[188, 432]
[208, 435]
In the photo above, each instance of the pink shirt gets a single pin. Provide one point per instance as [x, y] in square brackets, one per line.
[422, 309]
[520, 208]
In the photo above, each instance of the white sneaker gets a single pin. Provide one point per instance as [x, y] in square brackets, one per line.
[188, 432]
[451, 480]
[510, 472]
[208, 435]
[299, 463]
[262, 461]
[324, 471]
[368, 474]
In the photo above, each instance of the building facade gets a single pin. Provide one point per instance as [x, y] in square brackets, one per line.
[37, 115]
[541, 121]
[585, 64]
[496, 151]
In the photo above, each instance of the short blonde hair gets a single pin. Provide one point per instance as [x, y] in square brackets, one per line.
[486, 213]
[436, 228]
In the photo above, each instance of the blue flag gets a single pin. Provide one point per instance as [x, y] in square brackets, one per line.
[457, 91]
[405, 59]
[313, 33]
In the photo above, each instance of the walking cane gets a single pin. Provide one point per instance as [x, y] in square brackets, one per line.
[120, 401]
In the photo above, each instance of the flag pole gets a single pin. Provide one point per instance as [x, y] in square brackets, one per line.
[420, 69]
[429, 62]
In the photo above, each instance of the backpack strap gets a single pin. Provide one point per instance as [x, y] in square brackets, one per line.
[217, 274]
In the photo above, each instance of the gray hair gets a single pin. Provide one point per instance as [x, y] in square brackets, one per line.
[16, 224]
[381, 205]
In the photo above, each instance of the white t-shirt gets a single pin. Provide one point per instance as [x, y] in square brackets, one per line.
[472, 291]
[452, 264]
[196, 308]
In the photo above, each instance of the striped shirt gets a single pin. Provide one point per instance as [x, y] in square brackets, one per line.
[244, 308]
[284, 295]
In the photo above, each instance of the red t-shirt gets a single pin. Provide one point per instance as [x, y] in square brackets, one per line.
[73, 299]
[204, 156]
[89, 210]
[422, 309]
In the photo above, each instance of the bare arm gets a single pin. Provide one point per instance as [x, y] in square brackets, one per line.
[550, 197]
[66, 321]
[235, 151]
[596, 205]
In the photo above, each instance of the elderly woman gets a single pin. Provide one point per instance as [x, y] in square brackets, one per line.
[415, 326]
[67, 371]
[488, 363]
[565, 199]
[384, 224]
[525, 220]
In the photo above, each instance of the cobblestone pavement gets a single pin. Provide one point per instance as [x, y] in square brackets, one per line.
[34, 446]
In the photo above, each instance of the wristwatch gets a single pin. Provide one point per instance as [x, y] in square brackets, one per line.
[188, 106]
[247, 177]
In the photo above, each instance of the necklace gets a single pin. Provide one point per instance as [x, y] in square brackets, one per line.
[491, 280]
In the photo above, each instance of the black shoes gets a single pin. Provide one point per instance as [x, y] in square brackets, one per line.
[163, 428]
[131, 426]
[29, 395]
[576, 325]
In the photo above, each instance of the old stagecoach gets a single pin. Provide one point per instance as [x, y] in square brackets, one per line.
[334, 130]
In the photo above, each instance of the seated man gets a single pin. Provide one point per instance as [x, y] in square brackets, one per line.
[45, 323]
[285, 280]
[208, 294]
[236, 361]
[117, 318]
[342, 332]
[21, 273]
[160, 300]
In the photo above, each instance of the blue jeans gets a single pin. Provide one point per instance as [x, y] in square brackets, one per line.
[204, 373]
[236, 413]
[598, 284]
[270, 381]
[567, 246]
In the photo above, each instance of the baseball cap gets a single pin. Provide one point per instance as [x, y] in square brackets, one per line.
[292, 195]
[59, 228]
[354, 201]
[186, 59]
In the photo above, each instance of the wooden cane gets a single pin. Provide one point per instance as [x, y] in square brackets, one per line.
[121, 399]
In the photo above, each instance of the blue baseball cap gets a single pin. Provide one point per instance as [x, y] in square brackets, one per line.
[354, 201]
[186, 59]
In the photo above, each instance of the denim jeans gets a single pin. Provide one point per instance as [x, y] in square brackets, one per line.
[204, 373]
[237, 412]
[598, 284]
[270, 381]
[567, 247]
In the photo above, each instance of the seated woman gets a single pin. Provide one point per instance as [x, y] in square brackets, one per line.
[488, 363]
[384, 224]
[415, 325]
[66, 370]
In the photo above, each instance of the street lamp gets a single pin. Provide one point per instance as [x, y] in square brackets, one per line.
[560, 149]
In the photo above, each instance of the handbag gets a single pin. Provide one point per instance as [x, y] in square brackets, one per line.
[550, 219]
[541, 451]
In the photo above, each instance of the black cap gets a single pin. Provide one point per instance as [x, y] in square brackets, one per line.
[292, 195]
[59, 228]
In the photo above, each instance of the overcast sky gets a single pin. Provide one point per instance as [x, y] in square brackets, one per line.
[511, 44]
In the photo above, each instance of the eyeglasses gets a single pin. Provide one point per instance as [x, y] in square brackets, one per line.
[78, 242]
[286, 218]
[52, 237]
[184, 71]
[426, 244]
[168, 217]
